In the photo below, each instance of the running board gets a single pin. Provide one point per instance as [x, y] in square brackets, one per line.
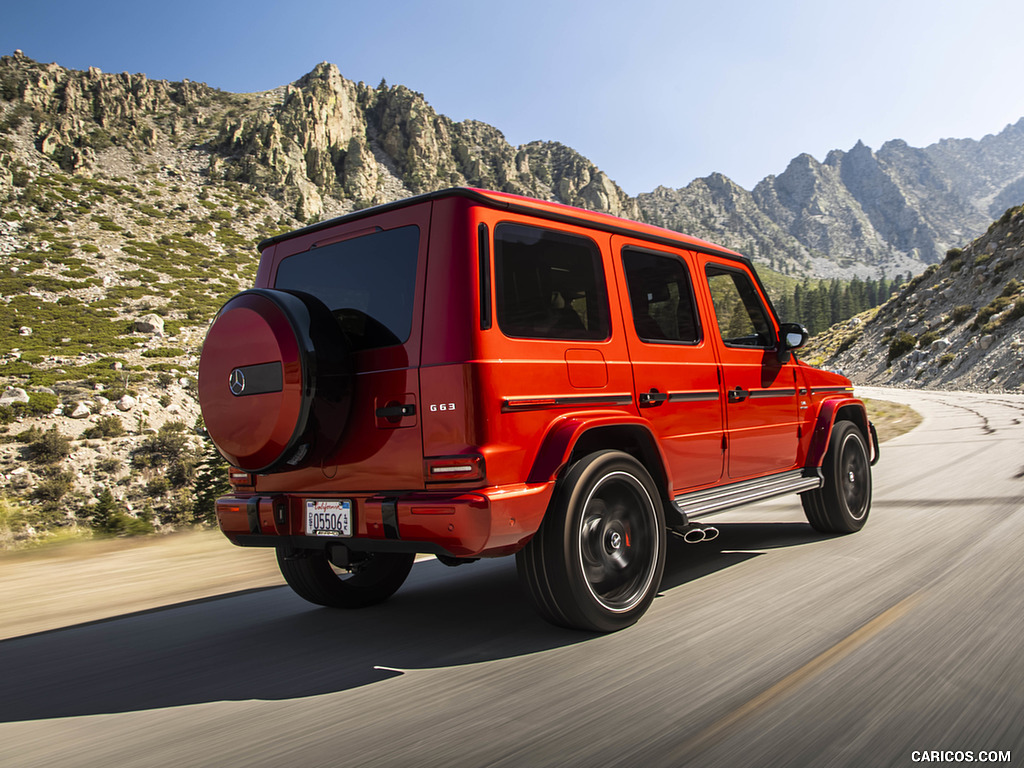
[700, 503]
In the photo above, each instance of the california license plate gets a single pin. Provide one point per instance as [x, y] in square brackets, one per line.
[328, 517]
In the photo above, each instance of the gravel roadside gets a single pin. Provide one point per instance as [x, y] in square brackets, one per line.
[94, 580]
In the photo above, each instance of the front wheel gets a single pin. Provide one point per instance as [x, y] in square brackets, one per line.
[597, 560]
[842, 504]
[372, 580]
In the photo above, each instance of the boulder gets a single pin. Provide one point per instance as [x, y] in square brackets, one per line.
[14, 395]
[126, 403]
[152, 324]
[81, 411]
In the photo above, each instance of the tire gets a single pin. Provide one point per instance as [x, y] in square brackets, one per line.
[842, 504]
[275, 381]
[310, 574]
[597, 560]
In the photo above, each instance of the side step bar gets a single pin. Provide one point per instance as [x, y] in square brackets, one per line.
[724, 497]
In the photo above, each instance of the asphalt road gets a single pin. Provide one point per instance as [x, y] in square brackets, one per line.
[772, 646]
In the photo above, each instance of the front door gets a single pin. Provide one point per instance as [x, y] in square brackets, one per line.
[761, 393]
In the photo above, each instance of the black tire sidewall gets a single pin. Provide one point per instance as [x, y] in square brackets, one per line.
[846, 436]
[581, 604]
[312, 578]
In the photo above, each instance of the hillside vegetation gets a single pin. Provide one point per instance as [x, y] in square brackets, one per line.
[959, 325]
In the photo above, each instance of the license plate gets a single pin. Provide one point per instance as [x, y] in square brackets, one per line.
[328, 517]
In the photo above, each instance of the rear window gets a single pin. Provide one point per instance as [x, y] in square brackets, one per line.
[368, 283]
[548, 285]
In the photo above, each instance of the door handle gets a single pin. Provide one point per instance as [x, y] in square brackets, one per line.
[738, 395]
[396, 411]
[652, 398]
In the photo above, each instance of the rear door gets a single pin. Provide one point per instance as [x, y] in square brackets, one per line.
[675, 371]
[761, 393]
[370, 275]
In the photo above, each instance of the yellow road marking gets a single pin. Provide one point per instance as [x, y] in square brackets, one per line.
[714, 732]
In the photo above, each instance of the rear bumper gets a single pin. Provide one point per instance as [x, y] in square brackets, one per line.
[484, 523]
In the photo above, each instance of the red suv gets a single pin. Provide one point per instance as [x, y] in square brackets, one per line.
[475, 374]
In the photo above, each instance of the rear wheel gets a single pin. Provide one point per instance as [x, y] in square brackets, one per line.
[842, 504]
[596, 562]
[367, 582]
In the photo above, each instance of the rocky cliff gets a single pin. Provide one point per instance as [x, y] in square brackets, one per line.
[327, 137]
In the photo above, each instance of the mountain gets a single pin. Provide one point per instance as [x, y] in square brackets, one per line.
[860, 212]
[131, 208]
[959, 325]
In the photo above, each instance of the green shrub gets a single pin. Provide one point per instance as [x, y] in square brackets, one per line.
[164, 352]
[109, 466]
[962, 312]
[49, 447]
[170, 450]
[39, 404]
[109, 516]
[53, 486]
[849, 341]
[900, 345]
[1016, 312]
[106, 426]
[996, 306]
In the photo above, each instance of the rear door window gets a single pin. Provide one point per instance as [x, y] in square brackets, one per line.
[548, 284]
[368, 283]
[661, 297]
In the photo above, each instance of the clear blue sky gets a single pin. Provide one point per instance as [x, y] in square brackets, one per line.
[652, 91]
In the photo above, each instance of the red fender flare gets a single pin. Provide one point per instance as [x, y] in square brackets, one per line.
[827, 416]
[564, 433]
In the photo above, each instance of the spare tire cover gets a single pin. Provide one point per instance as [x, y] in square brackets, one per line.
[274, 381]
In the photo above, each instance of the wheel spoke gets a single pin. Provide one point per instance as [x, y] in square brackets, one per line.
[616, 539]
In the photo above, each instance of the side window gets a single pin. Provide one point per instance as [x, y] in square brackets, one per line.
[548, 285]
[661, 297]
[742, 318]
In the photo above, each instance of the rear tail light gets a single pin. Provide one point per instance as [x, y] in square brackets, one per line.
[441, 469]
[239, 479]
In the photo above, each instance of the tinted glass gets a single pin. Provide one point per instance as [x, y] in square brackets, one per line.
[367, 282]
[742, 319]
[661, 296]
[549, 285]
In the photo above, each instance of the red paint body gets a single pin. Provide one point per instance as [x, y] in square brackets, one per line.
[455, 437]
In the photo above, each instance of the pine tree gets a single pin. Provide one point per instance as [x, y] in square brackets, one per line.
[211, 482]
[105, 511]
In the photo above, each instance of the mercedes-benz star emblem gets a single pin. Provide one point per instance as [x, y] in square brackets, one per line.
[236, 382]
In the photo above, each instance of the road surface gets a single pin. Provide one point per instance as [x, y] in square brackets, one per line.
[772, 646]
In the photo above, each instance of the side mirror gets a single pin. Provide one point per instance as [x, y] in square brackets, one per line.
[791, 336]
